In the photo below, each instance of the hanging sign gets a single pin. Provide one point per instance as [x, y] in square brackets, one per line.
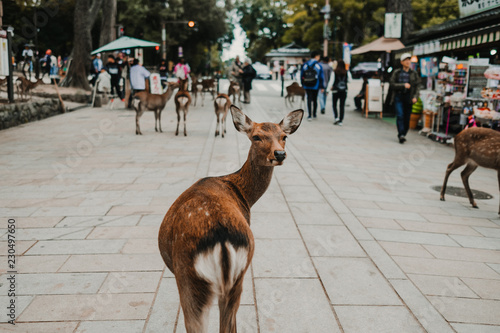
[471, 7]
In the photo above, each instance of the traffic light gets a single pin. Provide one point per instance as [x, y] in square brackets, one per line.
[119, 31]
[191, 24]
[157, 48]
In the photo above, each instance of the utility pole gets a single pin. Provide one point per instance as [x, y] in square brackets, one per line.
[326, 12]
[164, 41]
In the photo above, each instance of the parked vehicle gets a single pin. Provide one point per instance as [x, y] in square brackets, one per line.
[364, 68]
[263, 71]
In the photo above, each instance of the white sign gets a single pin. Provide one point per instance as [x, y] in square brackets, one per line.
[479, 62]
[393, 25]
[471, 7]
[155, 84]
[4, 57]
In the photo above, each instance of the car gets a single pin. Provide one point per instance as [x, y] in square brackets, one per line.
[364, 68]
[263, 71]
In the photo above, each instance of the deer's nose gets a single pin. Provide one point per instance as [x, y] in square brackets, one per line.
[280, 155]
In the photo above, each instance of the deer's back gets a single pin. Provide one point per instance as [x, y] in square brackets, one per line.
[481, 145]
[208, 213]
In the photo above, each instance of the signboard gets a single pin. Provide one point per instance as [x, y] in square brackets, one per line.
[471, 7]
[429, 66]
[4, 57]
[155, 84]
[393, 25]
[476, 81]
[347, 53]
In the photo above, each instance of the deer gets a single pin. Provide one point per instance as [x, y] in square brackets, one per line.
[23, 86]
[205, 238]
[294, 90]
[221, 103]
[475, 147]
[182, 101]
[234, 89]
[2, 82]
[144, 101]
[196, 88]
[208, 86]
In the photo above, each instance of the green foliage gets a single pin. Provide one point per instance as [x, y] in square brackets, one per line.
[428, 12]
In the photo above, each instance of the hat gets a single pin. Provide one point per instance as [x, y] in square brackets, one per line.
[405, 56]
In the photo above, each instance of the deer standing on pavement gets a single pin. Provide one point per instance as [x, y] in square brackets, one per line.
[221, 103]
[234, 89]
[182, 101]
[23, 86]
[196, 88]
[475, 147]
[205, 237]
[144, 101]
[294, 90]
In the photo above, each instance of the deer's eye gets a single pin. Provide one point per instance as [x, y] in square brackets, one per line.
[256, 138]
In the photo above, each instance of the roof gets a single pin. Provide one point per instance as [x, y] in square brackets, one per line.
[290, 50]
[380, 45]
[125, 42]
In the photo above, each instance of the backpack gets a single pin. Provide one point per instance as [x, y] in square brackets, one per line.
[310, 76]
[342, 84]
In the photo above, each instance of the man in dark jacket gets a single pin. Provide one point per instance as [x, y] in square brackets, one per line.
[247, 75]
[405, 86]
[115, 71]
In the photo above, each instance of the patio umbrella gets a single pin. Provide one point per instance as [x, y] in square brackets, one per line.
[125, 42]
[380, 45]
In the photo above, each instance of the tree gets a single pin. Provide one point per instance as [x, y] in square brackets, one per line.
[108, 22]
[84, 19]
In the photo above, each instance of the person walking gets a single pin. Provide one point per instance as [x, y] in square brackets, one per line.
[339, 91]
[247, 75]
[405, 86]
[312, 79]
[114, 70]
[323, 93]
[182, 70]
[163, 69]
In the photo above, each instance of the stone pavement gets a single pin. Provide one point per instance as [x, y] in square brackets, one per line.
[350, 236]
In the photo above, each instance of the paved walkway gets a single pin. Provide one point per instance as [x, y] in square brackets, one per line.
[350, 236]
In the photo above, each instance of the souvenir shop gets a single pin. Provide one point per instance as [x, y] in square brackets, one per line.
[460, 69]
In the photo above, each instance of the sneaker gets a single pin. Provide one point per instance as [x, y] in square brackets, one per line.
[339, 123]
[309, 119]
[402, 139]
[322, 111]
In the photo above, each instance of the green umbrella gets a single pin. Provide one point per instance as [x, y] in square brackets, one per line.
[125, 42]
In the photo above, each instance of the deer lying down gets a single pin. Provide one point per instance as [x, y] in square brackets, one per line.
[205, 237]
[221, 103]
[475, 147]
[294, 90]
[144, 101]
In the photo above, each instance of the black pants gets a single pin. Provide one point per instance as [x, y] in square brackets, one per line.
[357, 102]
[312, 102]
[339, 96]
[115, 88]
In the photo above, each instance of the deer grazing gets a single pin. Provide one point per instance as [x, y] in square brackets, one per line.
[235, 90]
[144, 101]
[182, 100]
[205, 237]
[221, 103]
[294, 90]
[23, 86]
[475, 147]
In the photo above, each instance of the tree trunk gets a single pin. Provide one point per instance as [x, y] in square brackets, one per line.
[402, 6]
[108, 23]
[85, 15]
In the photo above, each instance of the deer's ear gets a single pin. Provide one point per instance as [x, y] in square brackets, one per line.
[241, 121]
[292, 121]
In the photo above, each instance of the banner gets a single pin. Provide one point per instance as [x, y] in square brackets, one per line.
[471, 7]
[4, 57]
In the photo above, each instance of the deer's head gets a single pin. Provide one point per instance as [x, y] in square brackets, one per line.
[268, 139]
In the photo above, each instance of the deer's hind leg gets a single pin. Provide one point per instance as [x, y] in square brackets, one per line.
[228, 307]
[178, 121]
[451, 167]
[469, 169]
[138, 113]
[499, 189]
[195, 303]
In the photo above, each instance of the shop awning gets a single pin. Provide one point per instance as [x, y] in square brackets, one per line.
[380, 45]
[124, 43]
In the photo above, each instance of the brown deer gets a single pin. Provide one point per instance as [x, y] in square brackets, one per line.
[294, 90]
[144, 101]
[234, 89]
[205, 237]
[221, 103]
[475, 147]
[196, 89]
[23, 86]
[182, 101]
[208, 86]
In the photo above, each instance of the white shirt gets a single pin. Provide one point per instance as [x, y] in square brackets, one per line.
[138, 76]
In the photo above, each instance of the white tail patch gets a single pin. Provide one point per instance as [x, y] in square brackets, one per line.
[221, 102]
[183, 100]
[208, 265]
